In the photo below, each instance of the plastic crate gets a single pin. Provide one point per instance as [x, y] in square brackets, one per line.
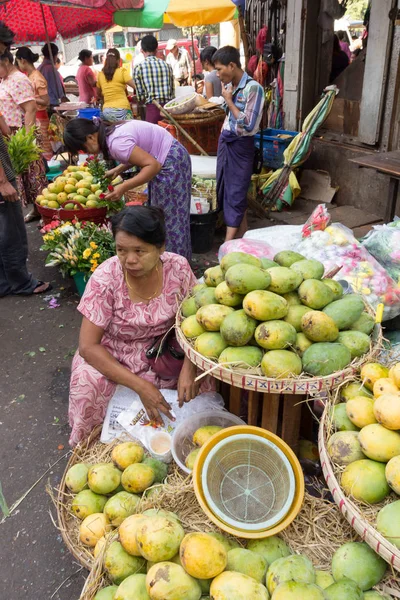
[274, 146]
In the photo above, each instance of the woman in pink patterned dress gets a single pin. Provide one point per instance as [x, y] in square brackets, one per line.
[129, 301]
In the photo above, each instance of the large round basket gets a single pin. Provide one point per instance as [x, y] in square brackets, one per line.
[68, 524]
[349, 509]
[252, 379]
[95, 215]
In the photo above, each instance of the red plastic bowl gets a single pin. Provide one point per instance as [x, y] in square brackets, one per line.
[95, 215]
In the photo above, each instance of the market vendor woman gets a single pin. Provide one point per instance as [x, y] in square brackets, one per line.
[164, 164]
[130, 300]
[244, 101]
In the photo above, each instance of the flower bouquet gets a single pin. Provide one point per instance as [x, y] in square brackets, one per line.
[98, 169]
[77, 246]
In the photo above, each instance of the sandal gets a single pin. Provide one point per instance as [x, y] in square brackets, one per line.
[41, 284]
[33, 215]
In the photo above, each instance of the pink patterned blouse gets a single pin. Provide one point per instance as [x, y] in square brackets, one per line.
[130, 328]
[15, 90]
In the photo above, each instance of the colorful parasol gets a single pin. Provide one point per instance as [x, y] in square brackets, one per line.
[182, 13]
[282, 187]
[32, 21]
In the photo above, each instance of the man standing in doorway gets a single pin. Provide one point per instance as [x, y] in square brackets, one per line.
[244, 101]
[153, 80]
[179, 61]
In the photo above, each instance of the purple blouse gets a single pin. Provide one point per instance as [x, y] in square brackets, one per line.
[151, 138]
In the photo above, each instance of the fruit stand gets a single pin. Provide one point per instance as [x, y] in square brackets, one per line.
[302, 322]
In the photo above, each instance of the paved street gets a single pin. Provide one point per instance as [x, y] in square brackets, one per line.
[34, 435]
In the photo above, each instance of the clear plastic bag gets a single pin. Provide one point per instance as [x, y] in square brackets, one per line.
[337, 246]
[383, 242]
[278, 237]
[135, 422]
[258, 248]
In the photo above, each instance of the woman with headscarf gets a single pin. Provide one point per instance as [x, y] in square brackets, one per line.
[112, 82]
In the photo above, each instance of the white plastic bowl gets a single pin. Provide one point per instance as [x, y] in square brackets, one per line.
[182, 439]
[186, 104]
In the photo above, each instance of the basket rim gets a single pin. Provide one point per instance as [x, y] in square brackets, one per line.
[80, 449]
[289, 469]
[298, 473]
[349, 510]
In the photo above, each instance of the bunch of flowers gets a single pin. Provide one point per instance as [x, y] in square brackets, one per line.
[77, 246]
[98, 169]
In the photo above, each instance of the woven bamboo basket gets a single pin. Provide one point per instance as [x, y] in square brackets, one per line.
[252, 379]
[352, 510]
[201, 117]
[68, 524]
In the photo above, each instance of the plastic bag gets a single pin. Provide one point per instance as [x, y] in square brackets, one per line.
[135, 422]
[336, 246]
[318, 220]
[383, 242]
[278, 237]
[261, 249]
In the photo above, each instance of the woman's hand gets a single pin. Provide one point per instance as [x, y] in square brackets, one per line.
[112, 173]
[154, 402]
[187, 388]
[115, 195]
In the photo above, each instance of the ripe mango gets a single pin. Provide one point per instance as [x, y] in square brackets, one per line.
[213, 276]
[280, 364]
[235, 258]
[211, 316]
[275, 335]
[379, 443]
[318, 327]
[365, 480]
[286, 258]
[243, 279]
[283, 280]
[265, 306]
[360, 411]
[315, 294]
[344, 447]
[237, 329]
[346, 311]
[210, 344]
[309, 269]
[226, 297]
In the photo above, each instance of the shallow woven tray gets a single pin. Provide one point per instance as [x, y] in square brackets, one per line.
[351, 509]
[252, 379]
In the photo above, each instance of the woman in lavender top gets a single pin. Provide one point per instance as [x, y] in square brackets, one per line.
[164, 164]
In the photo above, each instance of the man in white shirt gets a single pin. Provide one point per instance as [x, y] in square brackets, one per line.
[179, 61]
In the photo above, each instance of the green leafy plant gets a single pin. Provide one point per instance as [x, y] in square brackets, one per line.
[23, 149]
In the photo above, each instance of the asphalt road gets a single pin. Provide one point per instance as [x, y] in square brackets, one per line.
[36, 347]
